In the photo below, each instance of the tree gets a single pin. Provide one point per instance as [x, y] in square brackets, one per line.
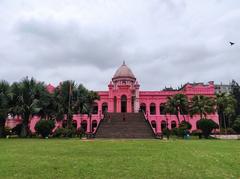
[236, 125]
[4, 104]
[26, 99]
[226, 105]
[201, 105]
[206, 126]
[236, 93]
[64, 101]
[44, 127]
[81, 99]
[177, 104]
[84, 100]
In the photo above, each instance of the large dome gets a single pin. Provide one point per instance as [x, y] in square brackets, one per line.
[124, 72]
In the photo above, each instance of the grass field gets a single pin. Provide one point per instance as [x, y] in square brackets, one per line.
[74, 158]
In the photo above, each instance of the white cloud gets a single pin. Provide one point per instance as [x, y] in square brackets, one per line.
[166, 43]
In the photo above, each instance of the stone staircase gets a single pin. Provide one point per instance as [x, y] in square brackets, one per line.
[134, 126]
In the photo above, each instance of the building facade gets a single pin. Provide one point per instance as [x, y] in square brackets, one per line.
[124, 96]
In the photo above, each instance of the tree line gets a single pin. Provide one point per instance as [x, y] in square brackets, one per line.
[30, 97]
[227, 105]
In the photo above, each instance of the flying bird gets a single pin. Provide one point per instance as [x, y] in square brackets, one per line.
[231, 43]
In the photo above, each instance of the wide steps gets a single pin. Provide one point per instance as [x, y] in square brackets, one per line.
[134, 126]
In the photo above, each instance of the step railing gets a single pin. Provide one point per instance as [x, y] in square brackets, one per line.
[147, 121]
[102, 117]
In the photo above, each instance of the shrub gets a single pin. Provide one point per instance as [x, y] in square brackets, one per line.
[7, 131]
[174, 131]
[166, 132]
[197, 132]
[65, 132]
[80, 132]
[17, 129]
[58, 132]
[182, 130]
[231, 131]
[185, 125]
[236, 125]
[70, 132]
[44, 127]
[206, 125]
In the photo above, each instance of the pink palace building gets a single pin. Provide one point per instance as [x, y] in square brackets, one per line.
[122, 103]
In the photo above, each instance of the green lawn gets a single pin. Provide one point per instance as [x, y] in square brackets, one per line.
[74, 158]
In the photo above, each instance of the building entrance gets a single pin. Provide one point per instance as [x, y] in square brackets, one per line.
[124, 103]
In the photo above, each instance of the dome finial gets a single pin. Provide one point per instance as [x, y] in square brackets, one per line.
[124, 62]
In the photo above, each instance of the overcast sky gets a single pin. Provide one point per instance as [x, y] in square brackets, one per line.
[164, 42]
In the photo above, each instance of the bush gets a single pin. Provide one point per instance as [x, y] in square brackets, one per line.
[65, 132]
[7, 131]
[236, 126]
[185, 125]
[197, 132]
[227, 131]
[206, 125]
[44, 127]
[182, 130]
[174, 131]
[166, 132]
[17, 129]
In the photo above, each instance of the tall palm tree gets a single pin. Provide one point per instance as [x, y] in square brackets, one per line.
[177, 104]
[84, 100]
[80, 97]
[202, 105]
[64, 101]
[226, 105]
[4, 104]
[26, 99]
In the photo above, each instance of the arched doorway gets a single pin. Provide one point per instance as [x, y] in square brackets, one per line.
[124, 103]
[94, 125]
[115, 104]
[163, 125]
[104, 108]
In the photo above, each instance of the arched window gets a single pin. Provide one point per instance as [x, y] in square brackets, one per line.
[163, 125]
[152, 109]
[95, 108]
[162, 108]
[173, 124]
[143, 107]
[104, 108]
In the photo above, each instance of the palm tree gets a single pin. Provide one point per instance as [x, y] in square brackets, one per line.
[177, 104]
[226, 105]
[64, 101]
[26, 99]
[80, 97]
[202, 105]
[84, 100]
[4, 104]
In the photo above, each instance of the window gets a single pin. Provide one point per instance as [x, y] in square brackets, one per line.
[152, 109]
